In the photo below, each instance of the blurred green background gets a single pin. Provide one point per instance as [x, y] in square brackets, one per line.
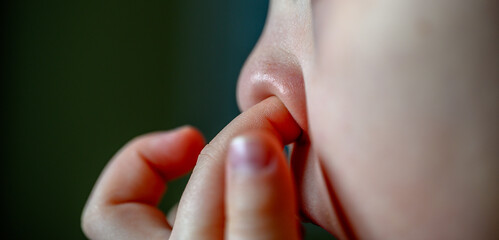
[81, 78]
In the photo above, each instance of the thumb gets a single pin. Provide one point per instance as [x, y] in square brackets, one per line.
[260, 198]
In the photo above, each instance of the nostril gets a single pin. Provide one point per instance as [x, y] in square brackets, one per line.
[273, 73]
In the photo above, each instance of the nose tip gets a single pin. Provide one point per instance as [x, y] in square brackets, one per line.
[273, 72]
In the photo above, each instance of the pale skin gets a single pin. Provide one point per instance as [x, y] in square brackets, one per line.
[392, 108]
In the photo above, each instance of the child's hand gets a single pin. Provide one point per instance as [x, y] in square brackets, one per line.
[249, 196]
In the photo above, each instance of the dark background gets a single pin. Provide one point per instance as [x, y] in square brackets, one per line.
[81, 78]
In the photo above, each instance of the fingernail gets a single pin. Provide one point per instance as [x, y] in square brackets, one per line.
[247, 153]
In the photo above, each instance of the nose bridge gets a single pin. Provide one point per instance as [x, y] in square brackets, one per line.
[274, 69]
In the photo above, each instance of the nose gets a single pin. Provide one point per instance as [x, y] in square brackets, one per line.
[276, 65]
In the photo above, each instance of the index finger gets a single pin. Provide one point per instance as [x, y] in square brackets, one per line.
[201, 211]
[123, 202]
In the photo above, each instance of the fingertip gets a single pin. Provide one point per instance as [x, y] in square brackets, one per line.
[255, 162]
[260, 197]
[251, 153]
[193, 134]
[180, 135]
[175, 151]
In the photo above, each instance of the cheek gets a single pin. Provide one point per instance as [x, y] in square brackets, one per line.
[393, 103]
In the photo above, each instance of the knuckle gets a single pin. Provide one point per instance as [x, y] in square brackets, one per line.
[208, 154]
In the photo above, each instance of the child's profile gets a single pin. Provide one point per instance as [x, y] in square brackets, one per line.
[391, 112]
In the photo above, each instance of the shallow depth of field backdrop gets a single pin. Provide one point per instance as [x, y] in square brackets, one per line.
[81, 78]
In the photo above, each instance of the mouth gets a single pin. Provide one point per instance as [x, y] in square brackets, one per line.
[316, 199]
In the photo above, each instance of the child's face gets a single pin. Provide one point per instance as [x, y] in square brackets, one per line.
[397, 97]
